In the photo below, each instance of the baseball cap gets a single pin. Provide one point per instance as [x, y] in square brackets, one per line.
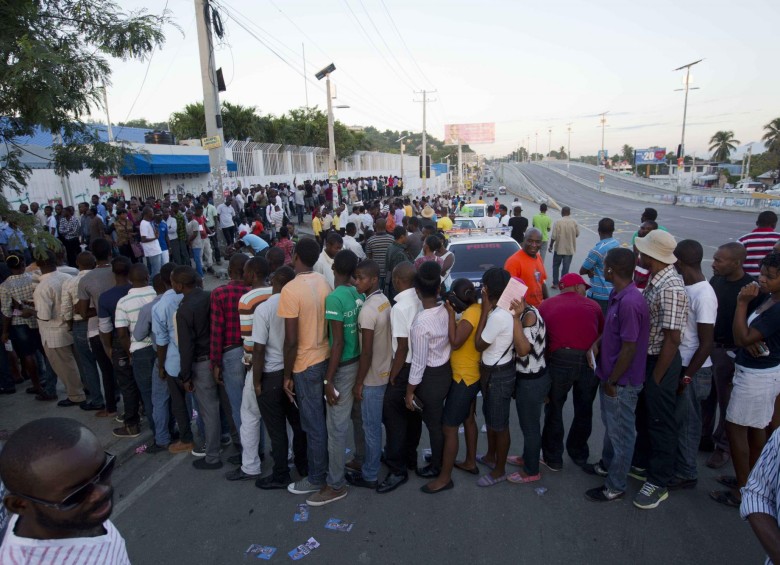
[572, 279]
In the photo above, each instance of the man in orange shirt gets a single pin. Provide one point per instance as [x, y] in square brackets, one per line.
[527, 265]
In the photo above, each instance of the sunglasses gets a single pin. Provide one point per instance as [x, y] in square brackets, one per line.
[79, 495]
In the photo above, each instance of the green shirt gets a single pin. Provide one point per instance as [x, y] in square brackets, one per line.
[543, 223]
[343, 305]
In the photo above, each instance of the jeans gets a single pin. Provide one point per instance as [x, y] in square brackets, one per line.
[178, 252]
[87, 362]
[123, 371]
[543, 250]
[277, 411]
[688, 418]
[196, 255]
[561, 263]
[432, 391]
[229, 234]
[106, 373]
[252, 431]
[618, 415]
[720, 394]
[182, 414]
[338, 418]
[656, 439]
[234, 377]
[569, 369]
[529, 397]
[161, 400]
[208, 408]
[143, 366]
[371, 412]
[299, 209]
[154, 263]
[402, 426]
[6, 380]
[215, 247]
[309, 391]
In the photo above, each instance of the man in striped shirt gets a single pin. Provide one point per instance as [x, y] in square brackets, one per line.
[376, 249]
[59, 481]
[760, 241]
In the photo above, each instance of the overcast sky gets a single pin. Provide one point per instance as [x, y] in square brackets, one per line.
[528, 67]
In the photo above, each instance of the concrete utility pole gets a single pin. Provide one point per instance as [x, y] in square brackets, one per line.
[568, 148]
[305, 81]
[549, 141]
[603, 126]
[425, 139]
[685, 115]
[333, 164]
[536, 152]
[211, 104]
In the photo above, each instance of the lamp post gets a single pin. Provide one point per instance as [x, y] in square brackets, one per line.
[401, 141]
[333, 174]
[681, 152]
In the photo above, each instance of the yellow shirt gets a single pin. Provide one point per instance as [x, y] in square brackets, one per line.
[480, 201]
[408, 210]
[316, 225]
[336, 222]
[465, 360]
[444, 224]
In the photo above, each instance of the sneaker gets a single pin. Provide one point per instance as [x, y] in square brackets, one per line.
[676, 483]
[181, 447]
[127, 431]
[120, 418]
[326, 495]
[650, 496]
[595, 469]
[638, 473]
[199, 450]
[270, 483]
[203, 465]
[551, 465]
[153, 448]
[603, 494]
[239, 475]
[302, 487]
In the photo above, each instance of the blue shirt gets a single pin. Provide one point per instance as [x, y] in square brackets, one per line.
[108, 301]
[164, 329]
[256, 242]
[13, 239]
[162, 229]
[599, 287]
[101, 210]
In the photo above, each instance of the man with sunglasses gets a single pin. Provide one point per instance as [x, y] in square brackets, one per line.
[59, 491]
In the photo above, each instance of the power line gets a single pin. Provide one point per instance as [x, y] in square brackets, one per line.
[401, 37]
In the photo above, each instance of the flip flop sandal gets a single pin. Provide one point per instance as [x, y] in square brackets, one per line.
[727, 481]
[473, 471]
[519, 479]
[481, 459]
[488, 481]
[725, 497]
[515, 460]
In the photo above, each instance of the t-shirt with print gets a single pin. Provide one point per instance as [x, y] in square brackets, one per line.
[702, 309]
[375, 315]
[465, 359]
[343, 305]
[768, 323]
[499, 333]
[303, 298]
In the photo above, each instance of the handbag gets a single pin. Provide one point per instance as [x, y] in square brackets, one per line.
[485, 372]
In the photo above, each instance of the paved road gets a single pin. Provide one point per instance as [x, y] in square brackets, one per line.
[170, 513]
[626, 183]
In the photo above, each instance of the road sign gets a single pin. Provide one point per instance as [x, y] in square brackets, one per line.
[680, 162]
[212, 142]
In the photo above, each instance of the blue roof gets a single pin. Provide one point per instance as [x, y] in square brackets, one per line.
[44, 137]
[139, 164]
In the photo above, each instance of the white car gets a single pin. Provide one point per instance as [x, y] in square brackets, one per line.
[476, 211]
[747, 187]
[476, 254]
[502, 190]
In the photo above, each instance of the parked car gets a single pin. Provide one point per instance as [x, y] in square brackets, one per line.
[476, 211]
[502, 190]
[747, 187]
[476, 254]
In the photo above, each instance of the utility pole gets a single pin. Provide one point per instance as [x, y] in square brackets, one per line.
[332, 160]
[603, 125]
[305, 81]
[210, 95]
[108, 117]
[685, 115]
[549, 141]
[528, 146]
[747, 166]
[568, 148]
[424, 168]
[536, 152]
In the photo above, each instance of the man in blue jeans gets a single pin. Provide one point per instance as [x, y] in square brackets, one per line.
[574, 323]
[306, 351]
[376, 358]
[620, 356]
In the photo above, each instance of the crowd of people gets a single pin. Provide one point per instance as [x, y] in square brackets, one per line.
[361, 329]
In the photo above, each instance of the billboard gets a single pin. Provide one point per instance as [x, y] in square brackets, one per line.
[469, 133]
[652, 156]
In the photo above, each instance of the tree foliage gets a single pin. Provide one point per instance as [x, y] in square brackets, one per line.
[53, 65]
[771, 137]
[627, 153]
[722, 144]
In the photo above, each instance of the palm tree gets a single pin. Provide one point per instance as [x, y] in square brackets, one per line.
[772, 136]
[723, 143]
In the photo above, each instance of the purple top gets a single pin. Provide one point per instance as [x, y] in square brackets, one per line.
[627, 319]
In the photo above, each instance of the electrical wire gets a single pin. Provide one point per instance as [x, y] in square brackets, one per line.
[403, 42]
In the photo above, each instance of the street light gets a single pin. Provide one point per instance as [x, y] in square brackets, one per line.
[333, 174]
[401, 141]
[681, 152]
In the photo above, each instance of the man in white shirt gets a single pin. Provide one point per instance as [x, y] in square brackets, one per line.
[210, 213]
[226, 223]
[403, 428]
[351, 243]
[51, 221]
[59, 491]
[366, 219]
[150, 242]
[324, 265]
[355, 218]
[491, 221]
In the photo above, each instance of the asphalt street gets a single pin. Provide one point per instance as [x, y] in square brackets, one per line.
[171, 513]
[623, 183]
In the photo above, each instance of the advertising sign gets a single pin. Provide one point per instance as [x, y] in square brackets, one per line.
[603, 156]
[469, 133]
[211, 142]
[652, 156]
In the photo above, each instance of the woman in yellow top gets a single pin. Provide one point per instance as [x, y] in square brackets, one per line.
[460, 407]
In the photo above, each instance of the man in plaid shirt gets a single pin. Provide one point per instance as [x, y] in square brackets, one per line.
[656, 442]
[227, 353]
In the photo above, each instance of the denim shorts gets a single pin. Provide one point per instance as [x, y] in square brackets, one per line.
[498, 396]
[458, 405]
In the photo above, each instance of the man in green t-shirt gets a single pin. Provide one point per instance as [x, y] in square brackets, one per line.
[342, 307]
[543, 223]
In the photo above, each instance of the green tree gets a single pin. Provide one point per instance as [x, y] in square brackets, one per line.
[723, 143]
[143, 123]
[54, 65]
[627, 153]
[772, 136]
[562, 153]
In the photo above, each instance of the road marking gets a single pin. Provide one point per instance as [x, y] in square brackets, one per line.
[700, 220]
[142, 489]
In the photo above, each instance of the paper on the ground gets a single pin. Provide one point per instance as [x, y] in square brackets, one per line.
[301, 513]
[260, 551]
[515, 290]
[304, 549]
[338, 525]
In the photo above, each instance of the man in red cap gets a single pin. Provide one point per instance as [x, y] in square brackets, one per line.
[574, 323]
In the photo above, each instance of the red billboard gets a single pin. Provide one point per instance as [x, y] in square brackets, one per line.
[469, 133]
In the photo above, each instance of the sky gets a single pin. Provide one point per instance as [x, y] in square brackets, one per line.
[528, 67]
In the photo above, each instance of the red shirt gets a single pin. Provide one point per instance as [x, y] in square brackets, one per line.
[572, 321]
[225, 320]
